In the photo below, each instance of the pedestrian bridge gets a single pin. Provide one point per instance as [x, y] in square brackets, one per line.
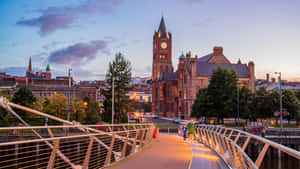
[122, 146]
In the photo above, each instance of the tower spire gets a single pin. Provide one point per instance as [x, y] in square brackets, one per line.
[162, 26]
[29, 66]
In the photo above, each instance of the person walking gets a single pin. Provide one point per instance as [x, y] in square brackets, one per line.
[191, 130]
[184, 132]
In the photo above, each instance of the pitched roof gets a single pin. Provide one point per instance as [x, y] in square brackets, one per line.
[205, 58]
[162, 26]
[206, 69]
[168, 76]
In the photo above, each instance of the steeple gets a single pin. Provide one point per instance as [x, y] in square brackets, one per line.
[48, 68]
[162, 26]
[239, 61]
[29, 66]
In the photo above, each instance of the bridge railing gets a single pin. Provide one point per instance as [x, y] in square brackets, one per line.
[93, 150]
[228, 144]
[16, 133]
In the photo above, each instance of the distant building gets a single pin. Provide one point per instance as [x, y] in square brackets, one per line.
[173, 92]
[273, 84]
[140, 93]
[92, 90]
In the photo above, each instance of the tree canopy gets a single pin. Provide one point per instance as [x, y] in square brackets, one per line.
[220, 100]
[120, 70]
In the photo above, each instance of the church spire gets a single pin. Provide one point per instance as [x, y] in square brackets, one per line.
[162, 26]
[29, 66]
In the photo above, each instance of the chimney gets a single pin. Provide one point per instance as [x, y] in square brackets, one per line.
[188, 55]
[218, 51]
[268, 77]
[273, 80]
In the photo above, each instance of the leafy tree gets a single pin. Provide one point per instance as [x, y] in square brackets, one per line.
[5, 116]
[291, 104]
[57, 105]
[93, 113]
[120, 70]
[200, 107]
[222, 93]
[262, 106]
[78, 109]
[25, 98]
[245, 101]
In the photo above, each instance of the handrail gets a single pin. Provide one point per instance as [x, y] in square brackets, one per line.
[281, 147]
[214, 136]
[125, 138]
[71, 126]
[80, 150]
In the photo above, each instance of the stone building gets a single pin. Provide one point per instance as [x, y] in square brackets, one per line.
[173, 92]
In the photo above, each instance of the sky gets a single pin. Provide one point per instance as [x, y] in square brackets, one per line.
[85, 35]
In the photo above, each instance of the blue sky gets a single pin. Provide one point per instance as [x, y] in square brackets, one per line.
[86, 34]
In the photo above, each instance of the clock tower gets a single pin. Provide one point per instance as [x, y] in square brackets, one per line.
[162, 51]
[162, 63]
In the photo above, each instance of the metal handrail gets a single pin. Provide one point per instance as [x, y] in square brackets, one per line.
[214, 135]
[79, 147]
[143, 136]
[71, 126]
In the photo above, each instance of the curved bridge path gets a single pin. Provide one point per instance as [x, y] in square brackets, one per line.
[171, 152]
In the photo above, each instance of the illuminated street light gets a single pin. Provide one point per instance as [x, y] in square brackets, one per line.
[280, 93]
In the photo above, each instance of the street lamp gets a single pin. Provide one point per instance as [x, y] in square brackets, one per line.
[280, 93]
[113, 100]
[238, 102]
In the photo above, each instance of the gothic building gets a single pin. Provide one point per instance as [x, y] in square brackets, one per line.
[173, 92]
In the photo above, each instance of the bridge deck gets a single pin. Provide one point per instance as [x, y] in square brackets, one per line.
[205, 158]
[171, 152]
[167, 152]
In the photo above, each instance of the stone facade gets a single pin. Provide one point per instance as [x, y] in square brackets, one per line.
[173, 93]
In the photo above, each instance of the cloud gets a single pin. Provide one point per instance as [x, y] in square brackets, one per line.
[78, 53]
[55, 18]
[51, 45]
[14, 70]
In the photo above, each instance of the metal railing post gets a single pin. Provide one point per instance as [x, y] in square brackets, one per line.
[88, 153]
[108, 155]
[142, 139]
[261, 155]
[53, 155]
[125, 146]
[134, 142]
[246, 143]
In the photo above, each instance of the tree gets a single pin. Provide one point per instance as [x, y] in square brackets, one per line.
[25, 98]
[93, 113]
[245, 101]
[200, 107]
[222, 93]
[78, 109]
[120, 70]
[5, 116]
[57, 105]
[262, 106]
[291, 105]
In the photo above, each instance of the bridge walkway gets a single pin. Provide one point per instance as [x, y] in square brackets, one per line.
[171, 152]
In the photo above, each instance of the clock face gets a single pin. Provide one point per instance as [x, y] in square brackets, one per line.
[163, 45]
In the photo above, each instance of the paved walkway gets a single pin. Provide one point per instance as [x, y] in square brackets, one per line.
[167, 152]
[205, 158]
[171, 152]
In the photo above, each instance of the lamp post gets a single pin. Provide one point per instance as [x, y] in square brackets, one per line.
[280, 93]
[113, 101]
[238, 102]
[69, 95]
